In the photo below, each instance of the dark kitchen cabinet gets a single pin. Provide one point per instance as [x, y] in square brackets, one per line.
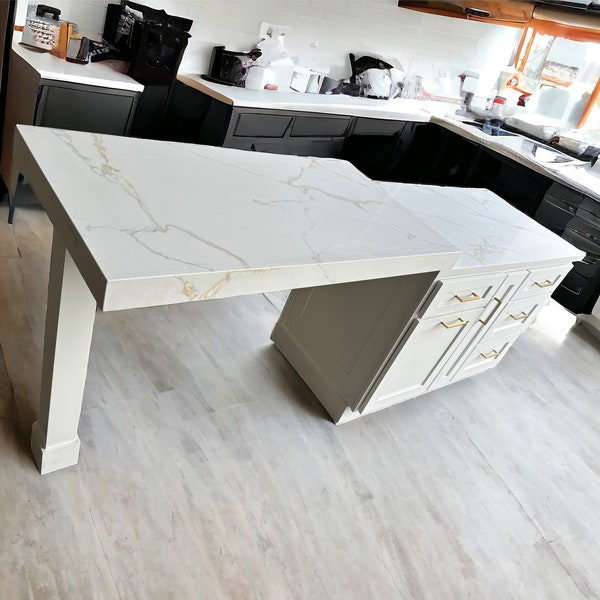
[378, 146]
[436, 156]
[520, 186]
[84, 108]
[66, 101]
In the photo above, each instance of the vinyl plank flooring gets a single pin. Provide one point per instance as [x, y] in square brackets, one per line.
[542, 436]
[209, 470]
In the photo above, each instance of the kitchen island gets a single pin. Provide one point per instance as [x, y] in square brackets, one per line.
[381, 310]
[143, 223]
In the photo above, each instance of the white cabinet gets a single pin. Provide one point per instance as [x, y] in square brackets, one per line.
[365, 346]
[423, 349]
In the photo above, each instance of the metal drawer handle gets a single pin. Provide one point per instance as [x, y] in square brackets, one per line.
[493, 312]
[546, 283]
[460, 323]
[472, 296]
[522, 315]
[491, 354]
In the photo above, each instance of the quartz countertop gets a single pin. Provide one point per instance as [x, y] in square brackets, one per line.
[574, 173]
[398, 109]
[152, 222]
[101, 74]
[489, 231]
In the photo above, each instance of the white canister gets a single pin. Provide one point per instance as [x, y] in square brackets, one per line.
[314, 82]
[300, 79]
[258, 77]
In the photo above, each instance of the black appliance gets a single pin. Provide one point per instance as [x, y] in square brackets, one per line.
[230, 67]
[575, 217]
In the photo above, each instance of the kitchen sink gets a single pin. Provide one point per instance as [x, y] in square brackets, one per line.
[491, 130]
[545, 154]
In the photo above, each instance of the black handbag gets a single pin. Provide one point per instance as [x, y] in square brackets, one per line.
[150, 39]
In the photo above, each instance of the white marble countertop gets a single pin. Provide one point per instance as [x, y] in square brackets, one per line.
[151, 222]
[574, 173]
[102, 74]
[398, 109]
[489, 231]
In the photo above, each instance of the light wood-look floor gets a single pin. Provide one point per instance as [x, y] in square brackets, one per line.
[208, 470]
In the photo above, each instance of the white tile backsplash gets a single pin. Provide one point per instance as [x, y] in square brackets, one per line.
[324, 31]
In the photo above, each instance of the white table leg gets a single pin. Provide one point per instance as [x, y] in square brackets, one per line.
[68, 335]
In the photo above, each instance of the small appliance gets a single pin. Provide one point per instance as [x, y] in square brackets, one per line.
[230, 67]
[42, 27]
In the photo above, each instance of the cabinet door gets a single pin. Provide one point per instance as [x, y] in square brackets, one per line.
[86, 108]
[423, 349]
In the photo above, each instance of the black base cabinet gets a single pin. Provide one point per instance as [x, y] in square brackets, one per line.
[518, 185]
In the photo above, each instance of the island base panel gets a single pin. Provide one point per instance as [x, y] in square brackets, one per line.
[339, 337]
[68, 335]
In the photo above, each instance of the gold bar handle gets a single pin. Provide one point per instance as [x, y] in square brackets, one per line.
[472, 296]
[522, 315]
[492, 313]
[491, 354]
[546, 283]
[460, 323]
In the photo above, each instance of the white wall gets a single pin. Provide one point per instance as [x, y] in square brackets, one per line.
[324, 31]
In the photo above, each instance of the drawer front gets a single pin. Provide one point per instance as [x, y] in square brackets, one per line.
[516, 316]
[454, 293]
[314, 126]
[366, 126]
[486, 355]
[257, 125]
[542, 281]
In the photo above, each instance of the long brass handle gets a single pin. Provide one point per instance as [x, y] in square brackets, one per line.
[472, 296]
[493, 312]
[460, 323]
[491, 354]
[522, 315]
[546, 283]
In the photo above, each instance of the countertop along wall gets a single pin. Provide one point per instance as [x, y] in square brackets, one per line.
[424, 44]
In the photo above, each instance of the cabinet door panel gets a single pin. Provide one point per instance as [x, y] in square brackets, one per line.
[424, 347]
[83, 110]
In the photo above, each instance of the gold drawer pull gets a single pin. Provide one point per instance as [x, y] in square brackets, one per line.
[491, 354]
[499, 302]
[460, 323]
[546, 283]
[522, 315]
[472, 296]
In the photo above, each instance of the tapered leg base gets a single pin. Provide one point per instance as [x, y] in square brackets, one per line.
[53, 458]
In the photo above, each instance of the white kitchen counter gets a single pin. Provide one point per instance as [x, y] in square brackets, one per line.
[398, 109]
[490, 232]
[165, 222]
[102, 74]
[140, 222]
[575, 173]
